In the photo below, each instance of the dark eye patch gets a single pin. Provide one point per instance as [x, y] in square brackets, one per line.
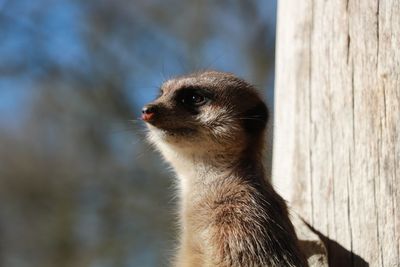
[192, 97]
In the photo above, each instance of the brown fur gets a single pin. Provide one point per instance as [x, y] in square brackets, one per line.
[230, 214]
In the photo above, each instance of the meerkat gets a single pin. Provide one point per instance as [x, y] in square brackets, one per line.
[210, 127]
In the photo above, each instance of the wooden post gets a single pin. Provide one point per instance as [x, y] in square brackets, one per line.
[337, 124]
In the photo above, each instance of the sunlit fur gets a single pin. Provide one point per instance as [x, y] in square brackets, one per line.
[230, 215]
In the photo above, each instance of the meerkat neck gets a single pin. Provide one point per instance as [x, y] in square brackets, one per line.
[198, 169]
[197, 173]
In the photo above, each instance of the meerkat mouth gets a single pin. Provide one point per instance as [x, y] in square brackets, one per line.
[174, 131]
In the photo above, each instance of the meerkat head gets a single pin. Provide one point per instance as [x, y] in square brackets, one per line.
[206, 111]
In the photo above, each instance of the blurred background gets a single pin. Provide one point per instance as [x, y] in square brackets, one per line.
[79, 186]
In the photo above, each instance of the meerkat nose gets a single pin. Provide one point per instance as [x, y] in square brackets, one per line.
[148, 112]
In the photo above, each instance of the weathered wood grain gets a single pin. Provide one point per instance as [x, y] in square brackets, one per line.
[337, 123]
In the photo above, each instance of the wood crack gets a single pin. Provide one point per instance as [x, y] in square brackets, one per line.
[394, 197]
[349, 208]
[310, 112]
[376, 209]
[377, 35]
[353, 106]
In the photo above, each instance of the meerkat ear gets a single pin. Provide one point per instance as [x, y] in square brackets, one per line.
[256, 118]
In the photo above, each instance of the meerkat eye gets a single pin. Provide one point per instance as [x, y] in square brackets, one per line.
[193, 99]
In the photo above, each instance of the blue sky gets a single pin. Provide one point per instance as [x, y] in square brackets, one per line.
[56, 36]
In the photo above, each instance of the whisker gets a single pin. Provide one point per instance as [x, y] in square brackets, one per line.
[132, 125]
[138, 120]
[144, 151]
[116, 131]
[254, 119]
